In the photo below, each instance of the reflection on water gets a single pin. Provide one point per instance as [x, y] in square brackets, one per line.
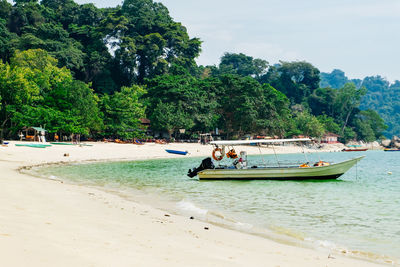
[360, 211]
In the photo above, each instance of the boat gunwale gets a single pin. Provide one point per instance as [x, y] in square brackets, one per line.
[294, 167]
[302, 170]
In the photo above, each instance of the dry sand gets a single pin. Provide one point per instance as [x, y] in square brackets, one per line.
[49, 223]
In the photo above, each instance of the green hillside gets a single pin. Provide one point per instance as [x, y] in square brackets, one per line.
[97, 71]
[381, 96]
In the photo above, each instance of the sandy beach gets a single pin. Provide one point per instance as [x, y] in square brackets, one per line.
[46, 222]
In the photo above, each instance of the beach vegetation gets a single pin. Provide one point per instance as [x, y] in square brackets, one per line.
[100, 71]
[121, 113]
[381, 96]
[37, 92]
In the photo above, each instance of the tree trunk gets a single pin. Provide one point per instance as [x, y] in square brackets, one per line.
[347, 119]
[2, 129]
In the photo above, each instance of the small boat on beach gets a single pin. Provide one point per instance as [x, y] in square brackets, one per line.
[34, 145]
[178, 152]
[391, 149]
[240, 169]
[354, 148]
[351, 149]
[62, 144]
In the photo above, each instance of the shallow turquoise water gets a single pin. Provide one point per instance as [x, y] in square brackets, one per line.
[358, 212]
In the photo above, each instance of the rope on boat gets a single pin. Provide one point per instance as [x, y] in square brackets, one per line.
[262, 157]
[302, 147]
[317, 151]
[276, 157]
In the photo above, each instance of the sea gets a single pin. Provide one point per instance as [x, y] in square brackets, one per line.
[356, 215]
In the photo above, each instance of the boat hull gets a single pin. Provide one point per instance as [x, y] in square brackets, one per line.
[332, 171]
[354, 149]
[178, 152]
[391, 150]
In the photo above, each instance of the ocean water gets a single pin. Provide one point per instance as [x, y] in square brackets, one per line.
[358, 214]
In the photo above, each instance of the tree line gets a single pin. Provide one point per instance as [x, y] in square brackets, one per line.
[382, 96]
[98, 71]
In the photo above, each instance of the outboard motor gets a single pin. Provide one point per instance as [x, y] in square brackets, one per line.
[205, 164]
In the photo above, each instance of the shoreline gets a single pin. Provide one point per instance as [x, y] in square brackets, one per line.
[48, 222]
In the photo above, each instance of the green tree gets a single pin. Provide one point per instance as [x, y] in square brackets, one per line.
[369, 125]
[248, 107]
[321, 101]
[242, 65]
[297, 80]
[122, 112]
[15, 91]
[5, 9]
[194, 98]
[308, 124]
[149, 40]
[329, 124]
[54, 39]
[336, 79]
[347, 101]
[7, 41]
[36, 92]
[169, 117]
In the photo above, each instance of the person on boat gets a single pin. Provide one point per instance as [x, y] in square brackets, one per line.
[243, 159]
[241, 162]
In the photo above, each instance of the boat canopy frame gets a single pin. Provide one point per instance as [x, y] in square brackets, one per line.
[258, 141]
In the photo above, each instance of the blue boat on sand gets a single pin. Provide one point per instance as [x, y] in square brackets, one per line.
[176, 152]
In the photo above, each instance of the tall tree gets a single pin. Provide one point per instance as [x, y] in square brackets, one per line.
[193, 99]
[35, 91]
[347, 100]
[297, 80]
[150, 40]
[336, 79]
[122, 112]
[242, 65]
[369, 125]
[248, 107]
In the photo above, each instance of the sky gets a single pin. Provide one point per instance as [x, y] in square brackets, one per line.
[360, 37]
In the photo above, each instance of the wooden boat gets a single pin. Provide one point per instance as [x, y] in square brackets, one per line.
[62, 144]
[178, 152]
[331, 171]
[241, 170]
[349, 149]
[391, 149]
[34, 145]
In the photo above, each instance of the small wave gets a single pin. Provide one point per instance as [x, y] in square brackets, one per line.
[243, 226]
[321, 243]
[332, 247]
[53, 177]
[190, 207]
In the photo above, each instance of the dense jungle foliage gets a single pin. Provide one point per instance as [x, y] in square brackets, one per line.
[381, 96]
[97, 71]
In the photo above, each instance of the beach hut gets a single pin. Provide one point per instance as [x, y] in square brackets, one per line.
[330, 138]
[34, 134]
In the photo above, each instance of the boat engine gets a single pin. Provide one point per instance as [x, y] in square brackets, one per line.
[205, 164]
